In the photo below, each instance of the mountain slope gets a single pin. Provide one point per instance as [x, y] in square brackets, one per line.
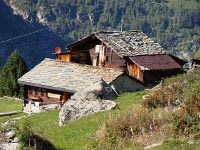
[175, 24]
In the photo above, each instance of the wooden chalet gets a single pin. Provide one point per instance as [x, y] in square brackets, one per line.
[54, 81]
[131, 51]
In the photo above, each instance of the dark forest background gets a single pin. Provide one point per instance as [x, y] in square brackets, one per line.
[175, 24]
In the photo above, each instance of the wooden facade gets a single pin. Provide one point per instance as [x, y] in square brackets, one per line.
[47, 96]
[102, 56]
[94, 52]
[64, 57]
[150, 76]
[135, 71]
[151, 69]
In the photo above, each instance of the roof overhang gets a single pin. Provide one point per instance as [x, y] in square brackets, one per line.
[46, 87]
[142, 62]
[92, 37]
[81, 41]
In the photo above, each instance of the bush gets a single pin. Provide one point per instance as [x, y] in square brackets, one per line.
[174, 91]
[182, 91]
[165, 95]
[24, 133]
[29, 140]
[136, 127]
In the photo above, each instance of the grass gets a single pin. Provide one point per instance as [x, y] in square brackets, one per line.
[76, 135]
[7, 105]
[177, 145]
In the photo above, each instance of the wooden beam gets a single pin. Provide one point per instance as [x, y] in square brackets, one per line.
[10, 113]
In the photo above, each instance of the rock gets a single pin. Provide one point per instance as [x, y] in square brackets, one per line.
[190, 142]
[49, 107]
[153, 145]
[15, 140]
[88, 101]
[11, 121]
[10, 134]
[10, 146]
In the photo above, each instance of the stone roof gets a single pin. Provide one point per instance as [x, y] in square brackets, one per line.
[127, 43]
[156, 62]
[67, 76]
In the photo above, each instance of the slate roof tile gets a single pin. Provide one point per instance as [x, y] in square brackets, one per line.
[67, 76]
[156, 62]
[127, 43]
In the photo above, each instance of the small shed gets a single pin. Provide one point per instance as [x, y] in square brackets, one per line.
[151, 68]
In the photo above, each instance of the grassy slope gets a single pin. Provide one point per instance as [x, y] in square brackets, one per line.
[10, 105]
[7, 105]
[76, 135]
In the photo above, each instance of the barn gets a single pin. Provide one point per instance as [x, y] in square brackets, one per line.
[54, 81]
[132, 51]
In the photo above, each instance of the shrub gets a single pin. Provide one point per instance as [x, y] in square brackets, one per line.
[174, 91]
[134, 127]
[182, 91]
[165, 95]
[24, 133]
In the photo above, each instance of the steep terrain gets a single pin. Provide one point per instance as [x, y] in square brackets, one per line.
[34, 47]
[175, 24]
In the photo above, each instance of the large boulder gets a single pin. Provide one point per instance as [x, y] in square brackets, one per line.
[90, 100]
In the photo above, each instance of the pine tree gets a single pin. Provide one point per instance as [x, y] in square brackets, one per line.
[14, 68]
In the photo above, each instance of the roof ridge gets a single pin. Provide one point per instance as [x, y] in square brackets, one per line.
[81, 65]
[116, 31]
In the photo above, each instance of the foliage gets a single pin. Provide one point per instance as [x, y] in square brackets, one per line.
[181, 92]
[7, 105]
[174, 91]
[176, 145]
[134, 127]
[29, 140]
[10, 105]
[171, 112]
[24, 133]
[77, 134]
[14, 68]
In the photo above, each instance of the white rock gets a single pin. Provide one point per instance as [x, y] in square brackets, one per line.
[88, 101]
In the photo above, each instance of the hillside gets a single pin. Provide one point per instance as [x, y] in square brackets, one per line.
[168, 117]
[175, 24]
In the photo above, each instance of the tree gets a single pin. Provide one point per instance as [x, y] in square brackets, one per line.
[14, 68]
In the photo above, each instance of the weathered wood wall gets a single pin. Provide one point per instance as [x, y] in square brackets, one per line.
[46, 96]
[107, 57]
[64, 57]
[82, 57]
[114, 60]
[154, 76]
[111, 58]
[135, 71]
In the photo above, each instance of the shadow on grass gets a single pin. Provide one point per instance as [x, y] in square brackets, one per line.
[40, 143]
